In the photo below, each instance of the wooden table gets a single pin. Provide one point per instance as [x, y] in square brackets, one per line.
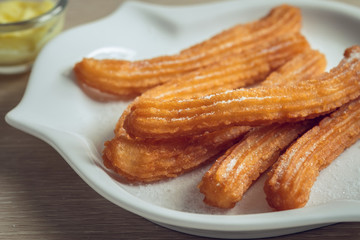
[41, 197]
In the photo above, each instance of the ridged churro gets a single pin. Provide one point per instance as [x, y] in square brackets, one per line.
[131, 78]
[234, 172]
[152, 118]
[290, 181]
[150, 160]
[163, 159]
[235, 71]
[225, 183]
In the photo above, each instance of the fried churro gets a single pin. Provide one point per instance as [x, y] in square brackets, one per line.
[152, 118]
[251, 67]
[290, 181]
[150, 160]
[238, 70]
[234, 172]
[225, 183]
[131, 78]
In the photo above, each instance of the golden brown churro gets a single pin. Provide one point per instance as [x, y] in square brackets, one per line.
[252, 66]
[234, 172]
[251, 90]
[128, 79]
[149, 160]
[292, 177]
[152, 118]
[169, 158]
[235, 71]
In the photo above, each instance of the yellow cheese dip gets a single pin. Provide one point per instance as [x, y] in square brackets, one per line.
[20, 45]
[17, 11]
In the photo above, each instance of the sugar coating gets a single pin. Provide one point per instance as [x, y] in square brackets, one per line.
[230, 166]
[354, 55]
[103, 130]
[183, 195]
[341, 180]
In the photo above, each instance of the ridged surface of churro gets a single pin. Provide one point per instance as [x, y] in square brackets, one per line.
[253, 66]
[152, 118]
[290, 181]
[232, 174]
[169, 158]
[238, 70]
[148, 161]
[131, 78]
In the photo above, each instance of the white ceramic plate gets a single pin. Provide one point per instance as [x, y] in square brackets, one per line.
[57, 111]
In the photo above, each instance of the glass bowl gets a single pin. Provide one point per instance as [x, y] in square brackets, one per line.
[21, 41]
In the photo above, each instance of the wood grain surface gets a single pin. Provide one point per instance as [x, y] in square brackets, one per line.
[41, 197]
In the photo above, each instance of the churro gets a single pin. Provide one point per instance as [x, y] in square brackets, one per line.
[225, 183]
[238, 70]
[152, 118]
[290, 181]
[149, 160]
[234, 172]
[131, 78]
[234, 72]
